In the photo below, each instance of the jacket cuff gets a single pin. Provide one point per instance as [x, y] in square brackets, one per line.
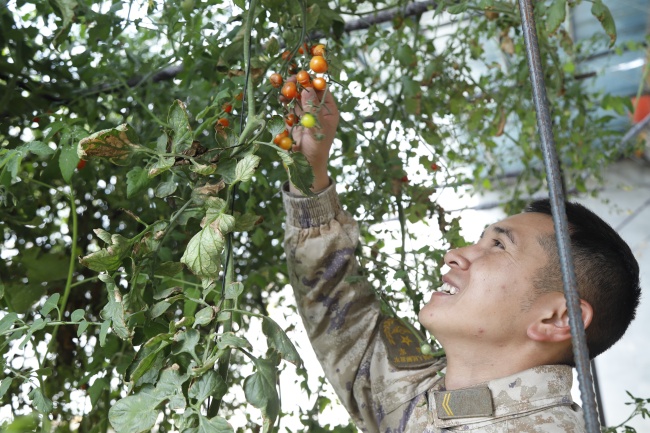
[314, 211]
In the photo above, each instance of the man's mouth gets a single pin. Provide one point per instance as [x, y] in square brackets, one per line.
[448, 288]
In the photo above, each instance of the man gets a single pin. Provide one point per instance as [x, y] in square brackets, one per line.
[500, 315]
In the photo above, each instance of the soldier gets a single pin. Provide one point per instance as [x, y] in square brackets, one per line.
[500, 314]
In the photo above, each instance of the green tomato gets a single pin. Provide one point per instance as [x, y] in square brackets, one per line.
[308, 120]
[426, 349]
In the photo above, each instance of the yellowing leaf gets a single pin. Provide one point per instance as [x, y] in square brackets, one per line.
[116, 144]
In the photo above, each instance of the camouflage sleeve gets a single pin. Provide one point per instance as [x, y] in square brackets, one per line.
[342, 315]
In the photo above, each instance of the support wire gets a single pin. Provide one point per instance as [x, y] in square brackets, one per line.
[556, 196]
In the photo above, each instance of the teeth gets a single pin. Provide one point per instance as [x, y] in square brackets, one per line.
[447, 288]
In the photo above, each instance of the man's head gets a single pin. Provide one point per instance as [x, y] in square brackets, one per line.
[607, 273]
[507, 288]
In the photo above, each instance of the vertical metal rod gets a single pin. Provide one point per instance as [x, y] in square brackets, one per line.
[556, 196]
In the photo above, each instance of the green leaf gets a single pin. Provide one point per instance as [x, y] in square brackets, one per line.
[278, 341]
[228, 339]
[50, 304]
[406, 56]
[165, 189]
[77, 315]
[137, 179]
[186, 341]
[260, 390]
[457, 8]
[95, 390]
[300, 172]
[22, 296]
[602, 13]
[203, 253]
[313, 12]
[203, 316]
[246, 168]
[68, 161]
[234, 289]
[41, 402]
[8, 321]
[116, 144]
[136, 413]
[276, 125]
[169, 269]
[35, 147]
[210, 384]
[556, 14]
[161, 165]
[81, 328]
[180, 124]
[4, 385]
[214, 425]
[45, 266]
[146, 356]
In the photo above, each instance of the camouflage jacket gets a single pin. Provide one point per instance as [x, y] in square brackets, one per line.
[382, 390]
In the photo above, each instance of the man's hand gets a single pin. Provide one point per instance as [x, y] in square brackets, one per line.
[315, 143]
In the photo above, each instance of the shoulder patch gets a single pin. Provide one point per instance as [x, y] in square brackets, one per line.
[403, 346]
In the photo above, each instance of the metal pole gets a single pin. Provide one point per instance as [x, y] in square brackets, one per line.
[556, 196]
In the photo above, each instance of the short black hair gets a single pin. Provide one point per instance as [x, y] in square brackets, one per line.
[607, 273]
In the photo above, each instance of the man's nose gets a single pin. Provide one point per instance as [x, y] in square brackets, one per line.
[460, 257]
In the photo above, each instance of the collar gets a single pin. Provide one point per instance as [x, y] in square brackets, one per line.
[526, 391]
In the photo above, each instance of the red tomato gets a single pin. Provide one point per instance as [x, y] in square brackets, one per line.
[227, 107]
[291, 119]
[81, 164]
[303, 78]
[224, 122]
[285, 143]
[319, 83]
[318, 64]
[276, 80]
[289, 90]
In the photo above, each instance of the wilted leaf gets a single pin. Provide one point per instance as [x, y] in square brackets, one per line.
[203, 169]
[116, 144]
[300, 172]
[110, 258]
[246, 168]
[203, 253]
[601, 11]
[163, 164]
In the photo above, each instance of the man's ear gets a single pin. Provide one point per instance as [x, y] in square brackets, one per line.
[552, 323]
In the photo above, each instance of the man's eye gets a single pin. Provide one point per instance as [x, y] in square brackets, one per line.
[497, 243]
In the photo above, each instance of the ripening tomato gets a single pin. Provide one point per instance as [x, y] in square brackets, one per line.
[308, 120]
[319, 83]
[280, 136]
[276, 80]
[81, 164]
[303, 78]
[318, 50]
[404, 179]
[303, 49]
[224, 122]
[227, 108]
[435, 167]
[239, 96]
[286, 55]
[291, 119]
[318, 64]
[289, 90]
[285, 143]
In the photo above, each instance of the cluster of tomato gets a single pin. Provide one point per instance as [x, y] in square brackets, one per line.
[290, 89]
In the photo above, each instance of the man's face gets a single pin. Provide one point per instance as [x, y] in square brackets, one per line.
[493, 278]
